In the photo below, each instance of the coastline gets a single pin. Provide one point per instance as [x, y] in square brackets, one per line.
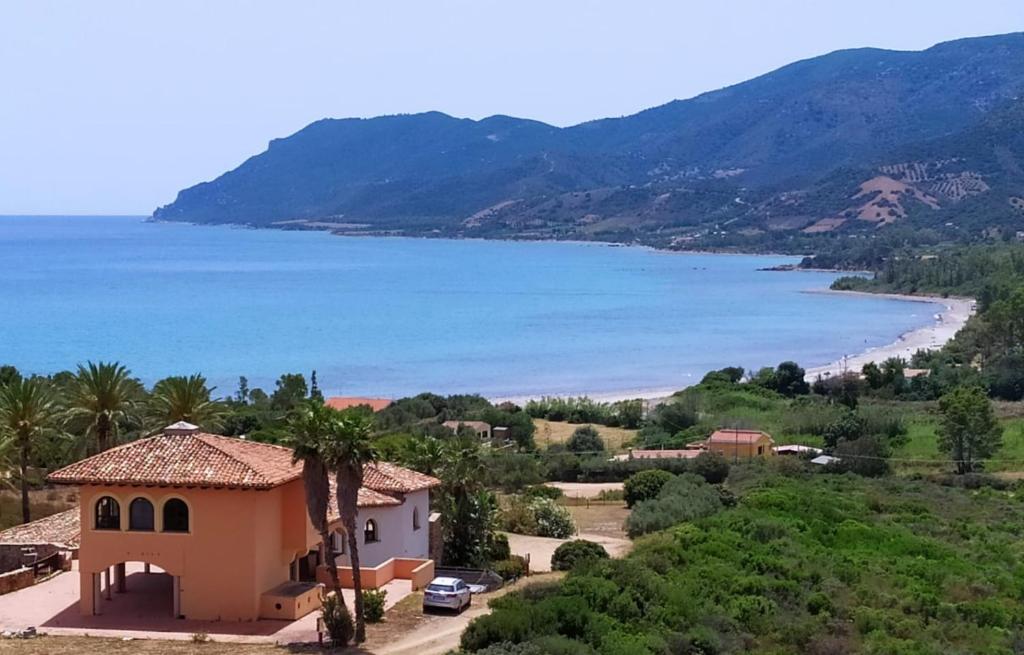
[952, 316]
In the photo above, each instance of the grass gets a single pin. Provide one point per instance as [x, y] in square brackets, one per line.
[601, 518]
[550, 432]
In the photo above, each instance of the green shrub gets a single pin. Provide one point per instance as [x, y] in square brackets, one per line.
[585, 439]
[373, 604]
[713, 467]
[543, 491]
[571, 553]
[512, 568]
[336, 619]
[498, 548]
[683, 498]
[644, 485]
[611, 494]
[552, 519]
[517, 517]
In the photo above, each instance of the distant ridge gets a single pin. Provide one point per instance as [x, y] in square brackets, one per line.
[850, 140]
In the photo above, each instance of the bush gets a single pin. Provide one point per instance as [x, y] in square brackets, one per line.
[713, 467]
[498, 548]
[543, 491]
[336, 619]
[373, 604]
[512, 568]
[611, 494]
[552, 520]
[683, 498]
[571, 553]
[585, 439]
[644, 485]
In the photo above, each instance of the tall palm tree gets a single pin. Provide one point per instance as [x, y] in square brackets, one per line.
[310, 424]
[27, 413]
[349, 449]
[102, 397]
[181, 398]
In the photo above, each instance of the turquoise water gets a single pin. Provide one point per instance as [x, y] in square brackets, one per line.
[397, 316]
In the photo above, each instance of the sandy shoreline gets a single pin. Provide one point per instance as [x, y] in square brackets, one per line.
[951, 315]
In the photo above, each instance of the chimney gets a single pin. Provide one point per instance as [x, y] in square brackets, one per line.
[180, 429]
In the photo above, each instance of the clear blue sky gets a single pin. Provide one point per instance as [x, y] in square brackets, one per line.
[113, 106]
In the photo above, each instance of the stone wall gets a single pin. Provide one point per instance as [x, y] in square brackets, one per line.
[15, 580]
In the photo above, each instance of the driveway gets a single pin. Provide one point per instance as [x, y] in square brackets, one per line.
[540, 549]
[144, 612]
[585, 489]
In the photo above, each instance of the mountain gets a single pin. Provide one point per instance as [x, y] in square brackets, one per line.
[849, 140]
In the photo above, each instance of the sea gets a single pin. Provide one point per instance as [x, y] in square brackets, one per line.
[391, 317]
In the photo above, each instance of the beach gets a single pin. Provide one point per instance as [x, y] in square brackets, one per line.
[951, 315]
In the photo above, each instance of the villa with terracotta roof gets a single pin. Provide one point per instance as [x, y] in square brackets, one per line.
[226, 519]
[735, 443]
[346, 402]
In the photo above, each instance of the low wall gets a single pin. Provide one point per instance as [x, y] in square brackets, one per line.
[418, 571]
[15, 580]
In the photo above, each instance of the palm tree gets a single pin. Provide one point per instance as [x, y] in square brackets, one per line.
[181, 398]
[310, 424]
[27, 412]
[101, 399]
[350, 448]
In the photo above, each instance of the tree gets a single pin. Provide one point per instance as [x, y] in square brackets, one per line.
[311, 424]
[711, 466]
[291, 390]
[349, 450]
[180, 398]
[585, 439]
[571, 553]
[27, 413]
[873, 375]
[789, 380]
[467, 507]
[969, 429]
[242, 395]
[644, 485]
[848, 427]
[314, 388]
[102, 397]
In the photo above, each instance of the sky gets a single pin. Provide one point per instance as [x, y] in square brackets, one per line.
[112, 106]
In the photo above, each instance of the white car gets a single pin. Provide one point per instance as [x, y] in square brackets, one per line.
[447, 593]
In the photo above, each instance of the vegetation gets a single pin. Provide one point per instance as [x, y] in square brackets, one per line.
[802, 563]
[373, 604]
[683, 498]
[337, 619]
[644, 485]
[585, 440]
[575, 552]
[540, 517]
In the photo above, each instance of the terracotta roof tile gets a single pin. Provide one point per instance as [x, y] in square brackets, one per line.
[61, 529]
[186, 460]
[344, 402]
[387, 477]
[737, 436]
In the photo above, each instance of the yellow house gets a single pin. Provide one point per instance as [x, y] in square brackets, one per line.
[226, 519]
[734, 444]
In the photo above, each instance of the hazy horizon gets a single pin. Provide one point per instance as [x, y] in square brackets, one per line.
[121, 105]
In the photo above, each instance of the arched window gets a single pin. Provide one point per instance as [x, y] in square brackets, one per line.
[415, 518]
[140, 515]
[108, 514]
[370, 534]
[175, 515]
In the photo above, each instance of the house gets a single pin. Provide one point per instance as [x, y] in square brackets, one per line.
[226, 519]
[735, 443]
[661, 453]
[481, 429]
[345, 402]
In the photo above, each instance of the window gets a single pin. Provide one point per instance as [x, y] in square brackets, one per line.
[760, 450]
[415, 518]
[370, 535]
[175, 515]
[338, 540]
[108, 514]
[140, 515]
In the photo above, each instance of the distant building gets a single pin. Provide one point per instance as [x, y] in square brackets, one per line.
[345, 402]
[741, 443]
[659, 453]
[797, 450]
[482, 430]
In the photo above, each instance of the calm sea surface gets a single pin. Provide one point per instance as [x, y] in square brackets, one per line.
[398, 316]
